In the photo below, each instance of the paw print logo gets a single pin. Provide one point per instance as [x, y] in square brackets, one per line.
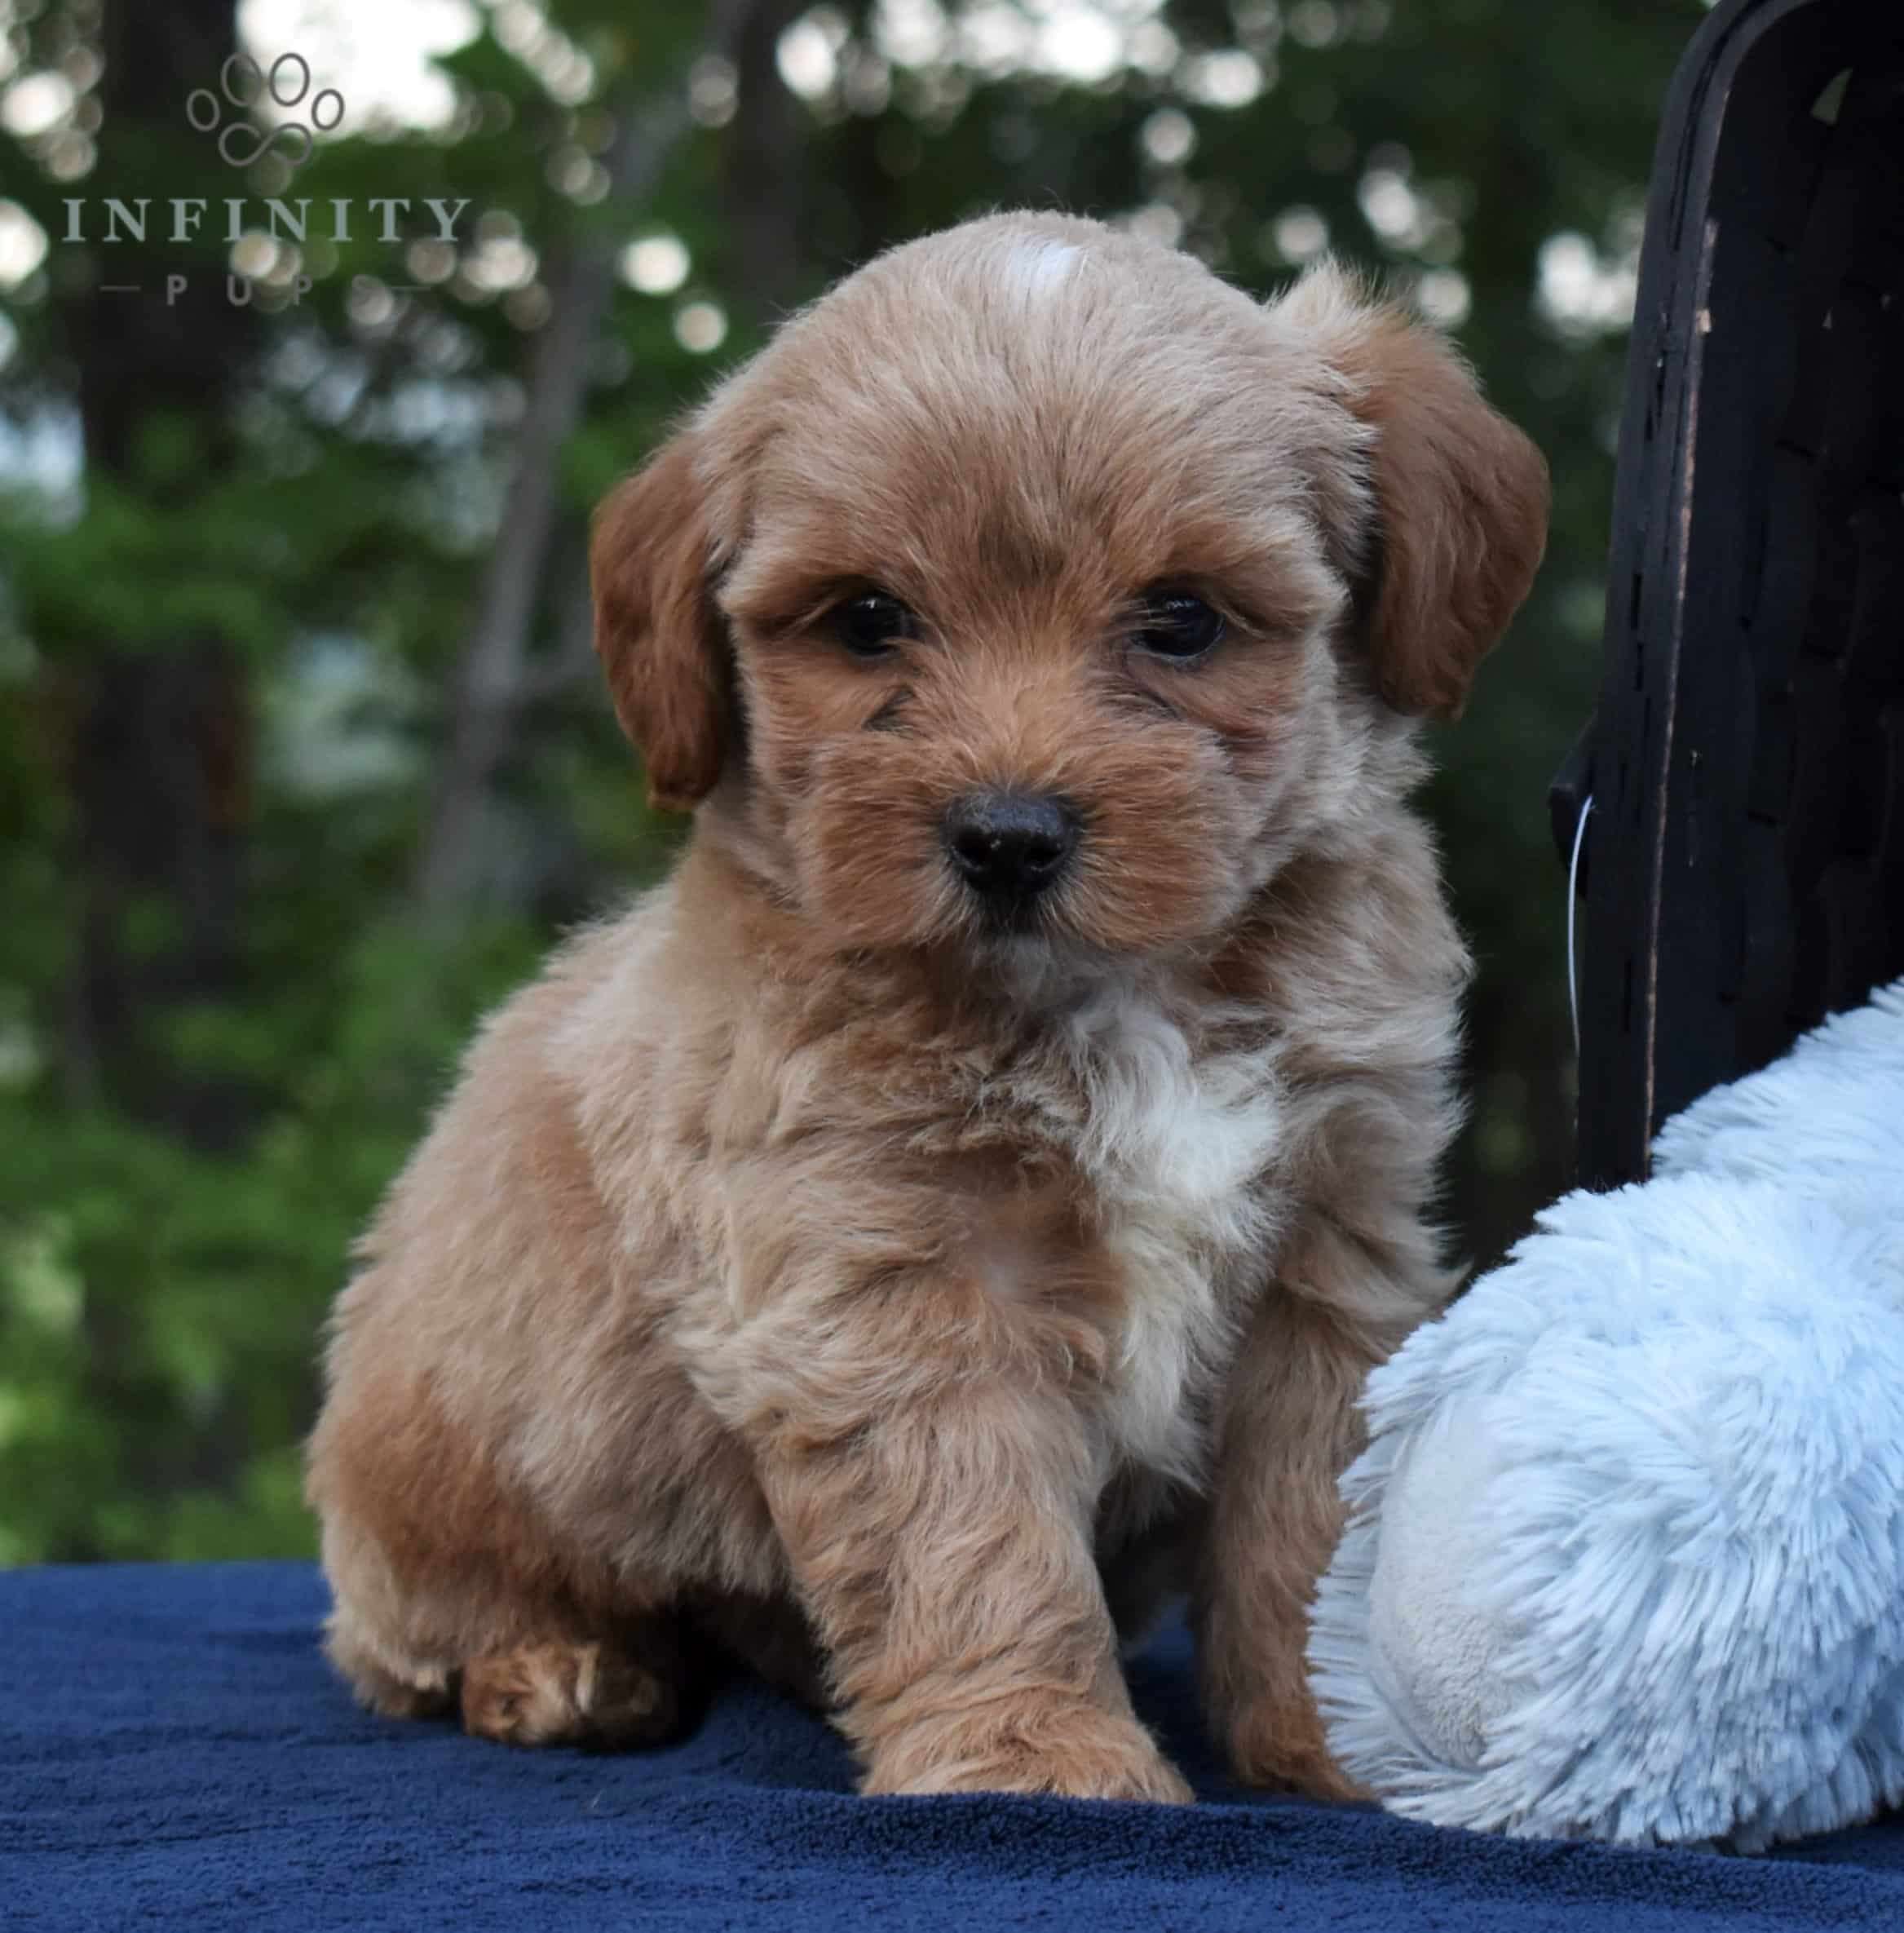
[243, 84]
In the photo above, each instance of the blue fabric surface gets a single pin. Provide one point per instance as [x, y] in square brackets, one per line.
[174, 1753]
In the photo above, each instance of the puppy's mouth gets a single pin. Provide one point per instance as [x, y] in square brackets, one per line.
[1034, 945]
[1024, 916]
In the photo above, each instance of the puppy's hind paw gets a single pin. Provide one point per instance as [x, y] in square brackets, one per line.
[555, 1694]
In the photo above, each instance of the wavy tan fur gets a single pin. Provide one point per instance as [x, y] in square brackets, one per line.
[802, 1269]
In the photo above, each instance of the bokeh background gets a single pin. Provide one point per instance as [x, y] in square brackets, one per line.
[304, 758]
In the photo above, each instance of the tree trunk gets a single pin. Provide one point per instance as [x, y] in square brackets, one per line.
[160, 756]
[495, 680]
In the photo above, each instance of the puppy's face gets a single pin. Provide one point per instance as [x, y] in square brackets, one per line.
[1037, 591]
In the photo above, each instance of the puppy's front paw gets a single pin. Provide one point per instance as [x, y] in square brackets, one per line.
[1082, 1754]
[1281, 1745]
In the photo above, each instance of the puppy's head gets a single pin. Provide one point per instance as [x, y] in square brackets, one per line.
[1036, 586]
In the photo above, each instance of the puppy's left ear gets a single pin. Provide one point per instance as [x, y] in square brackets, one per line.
[1460, 496]
[657, 633]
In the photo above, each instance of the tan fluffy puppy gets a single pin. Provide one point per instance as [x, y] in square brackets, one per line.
[958, 1208]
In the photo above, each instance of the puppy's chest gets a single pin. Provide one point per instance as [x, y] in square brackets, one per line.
[1178, 1149]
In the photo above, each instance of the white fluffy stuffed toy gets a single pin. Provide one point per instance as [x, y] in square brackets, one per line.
[1625, 1558]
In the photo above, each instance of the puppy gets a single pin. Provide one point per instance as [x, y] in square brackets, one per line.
[957, 1211]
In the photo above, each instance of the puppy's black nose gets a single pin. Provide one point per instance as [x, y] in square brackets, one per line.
[1009, 846]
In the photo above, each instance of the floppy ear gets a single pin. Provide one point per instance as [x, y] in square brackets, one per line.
[657, 633]
[1460, 496]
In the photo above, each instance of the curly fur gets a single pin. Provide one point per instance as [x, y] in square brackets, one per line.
[804, 1269]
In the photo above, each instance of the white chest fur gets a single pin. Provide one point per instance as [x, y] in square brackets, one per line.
[1176, 1144]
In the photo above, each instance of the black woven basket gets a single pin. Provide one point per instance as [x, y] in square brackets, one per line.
[1743, 870]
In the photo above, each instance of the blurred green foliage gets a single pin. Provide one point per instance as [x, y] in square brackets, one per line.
[248, 552]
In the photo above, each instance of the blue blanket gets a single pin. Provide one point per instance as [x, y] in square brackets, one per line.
[175, 1755]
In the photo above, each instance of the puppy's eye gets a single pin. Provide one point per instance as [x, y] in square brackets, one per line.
[1176, 624]
[870, 625]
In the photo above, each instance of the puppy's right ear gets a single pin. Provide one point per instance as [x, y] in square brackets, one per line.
[657, 633]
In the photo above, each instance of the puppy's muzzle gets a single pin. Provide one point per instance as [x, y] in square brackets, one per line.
[1009, 847]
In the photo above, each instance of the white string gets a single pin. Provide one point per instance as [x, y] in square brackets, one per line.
[1573, 902]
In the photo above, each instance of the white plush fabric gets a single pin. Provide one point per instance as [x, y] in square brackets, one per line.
[1625, 1558]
